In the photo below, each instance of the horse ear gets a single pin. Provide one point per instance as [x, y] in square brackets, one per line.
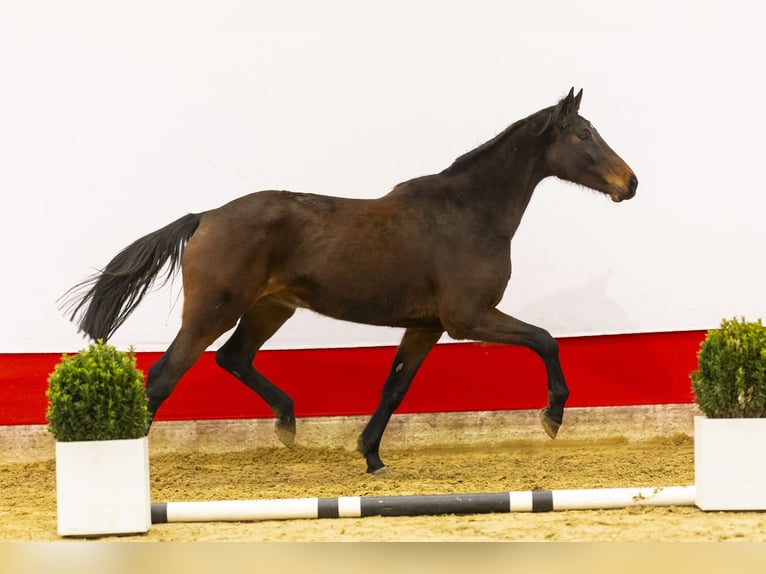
[563, 111]
[577, 100]
[567, 108]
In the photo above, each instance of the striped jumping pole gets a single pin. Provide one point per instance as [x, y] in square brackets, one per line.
[362, 506]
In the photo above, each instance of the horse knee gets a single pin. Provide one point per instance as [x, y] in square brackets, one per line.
[545, 344]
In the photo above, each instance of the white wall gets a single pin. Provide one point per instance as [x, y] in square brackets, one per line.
[118, 117]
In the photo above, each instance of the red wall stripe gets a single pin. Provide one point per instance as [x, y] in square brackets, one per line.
[610, 370]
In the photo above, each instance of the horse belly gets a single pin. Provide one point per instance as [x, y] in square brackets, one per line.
[357, 262]
[369, 299]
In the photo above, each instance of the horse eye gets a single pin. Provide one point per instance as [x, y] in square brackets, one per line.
[583, 135]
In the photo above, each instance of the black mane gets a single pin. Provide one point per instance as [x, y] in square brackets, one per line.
[467, 158]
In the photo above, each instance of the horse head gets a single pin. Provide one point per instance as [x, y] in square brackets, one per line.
[577, 153]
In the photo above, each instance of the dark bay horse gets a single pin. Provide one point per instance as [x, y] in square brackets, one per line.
[431, 256]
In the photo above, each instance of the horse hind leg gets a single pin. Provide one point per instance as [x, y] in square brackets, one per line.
[163, 375]
[192, 339]
[210, 309]
[412, 351]
[236, 356]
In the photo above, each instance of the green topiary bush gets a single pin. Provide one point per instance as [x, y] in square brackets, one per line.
[97, 394]
[731, 379]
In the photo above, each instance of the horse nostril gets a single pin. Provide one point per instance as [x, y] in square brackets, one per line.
[632, 184]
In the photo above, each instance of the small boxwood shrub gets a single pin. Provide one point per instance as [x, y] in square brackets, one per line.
[97, 394]
[731, 379]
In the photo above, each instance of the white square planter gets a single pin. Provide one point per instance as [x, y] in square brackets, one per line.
[102, 487]
[729, 465]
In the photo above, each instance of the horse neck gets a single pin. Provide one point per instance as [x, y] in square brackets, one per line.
[502, 178]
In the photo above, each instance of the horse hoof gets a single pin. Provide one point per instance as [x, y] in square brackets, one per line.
[550, 426]
[382, 471]
[285, 433]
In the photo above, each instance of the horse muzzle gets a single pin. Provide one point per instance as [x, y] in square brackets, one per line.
[619, 192]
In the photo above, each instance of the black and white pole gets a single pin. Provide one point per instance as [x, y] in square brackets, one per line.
[362, 506]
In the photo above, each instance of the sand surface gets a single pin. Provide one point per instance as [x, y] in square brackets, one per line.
[28, 500]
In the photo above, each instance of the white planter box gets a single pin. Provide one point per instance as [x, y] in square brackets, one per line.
[102, 487]
[729, 464]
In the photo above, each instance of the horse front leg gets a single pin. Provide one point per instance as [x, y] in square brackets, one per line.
[412, 351]
[493, 326]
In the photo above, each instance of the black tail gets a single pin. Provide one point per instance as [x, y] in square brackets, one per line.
[113, 294]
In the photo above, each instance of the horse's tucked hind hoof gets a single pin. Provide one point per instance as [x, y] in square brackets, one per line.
[550, 426]
[285, 432]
